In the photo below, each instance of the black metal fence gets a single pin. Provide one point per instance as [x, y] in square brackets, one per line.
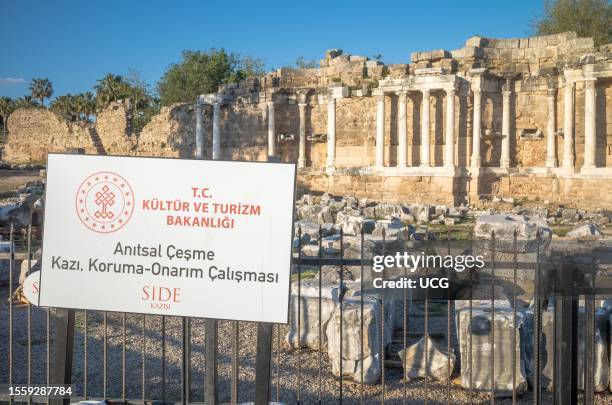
[550, 318]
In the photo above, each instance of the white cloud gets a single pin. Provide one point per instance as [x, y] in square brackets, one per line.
[11, 81]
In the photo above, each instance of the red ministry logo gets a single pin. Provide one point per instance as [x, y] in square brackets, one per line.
[104, 202]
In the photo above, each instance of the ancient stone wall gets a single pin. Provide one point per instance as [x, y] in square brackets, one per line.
[170, 133]
[33, 132]
[515, 78]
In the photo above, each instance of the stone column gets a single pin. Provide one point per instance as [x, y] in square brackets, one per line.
[199, 130]
[589, 124]
[401, 129]
[425, 130]
[331, 134]
[216, 141]
[302, 147]
[551, 147]
[380, 130]
[476, 160]
[449, 141]
[271, 130]
[568, 127]
[504, 161]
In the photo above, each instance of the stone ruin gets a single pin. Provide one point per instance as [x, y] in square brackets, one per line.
[471, 351]
[495, 119]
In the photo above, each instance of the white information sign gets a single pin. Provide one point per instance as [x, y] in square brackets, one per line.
[168, 236]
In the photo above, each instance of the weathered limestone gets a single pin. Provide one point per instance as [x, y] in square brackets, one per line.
[199, 129]
[302, 140]
[380, 130]
[589, 124]
[568, 127]
[425, 129]
[585, 231]
[308, 313]
[601, 363]
[331, 134]
[401, 129]
[533, 237]
[449, 145]
[216, 152]
[359, 350]
[251, 129]
[271, 130]
[505, 146]
[476, 130]
[437, 365]
[477, 353]
[551, 130]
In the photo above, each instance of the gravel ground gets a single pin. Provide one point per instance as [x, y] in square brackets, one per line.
[285, 367]
[11, 180]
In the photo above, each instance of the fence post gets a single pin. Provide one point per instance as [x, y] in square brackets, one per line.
[64, 342]
[566, 341]
[263, 365]
[210, 383]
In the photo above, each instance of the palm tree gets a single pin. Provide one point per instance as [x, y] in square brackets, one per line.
[41, 89]
[75, 108]
[63, 106]
[85, 106]
[7, 106]
[25, 102]
[110, 88]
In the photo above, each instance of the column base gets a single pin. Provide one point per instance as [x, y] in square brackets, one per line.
[591, 169]
[476, 162]
[330, 170]
[301, 164]
[504, 164]
[551, 163]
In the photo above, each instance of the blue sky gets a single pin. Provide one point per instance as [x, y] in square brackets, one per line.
[74, 43]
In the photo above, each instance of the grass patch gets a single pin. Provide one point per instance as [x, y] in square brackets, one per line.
[561, 231]
[307, 273]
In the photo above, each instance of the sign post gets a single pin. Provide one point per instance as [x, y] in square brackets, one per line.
[162, 241]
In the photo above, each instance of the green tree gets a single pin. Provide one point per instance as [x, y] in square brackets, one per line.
[588, 18]
[7, 106]
[202, 72]
[110, 88]
[25, 102]
[41, 89]
[85, 105]
[63, 106]
[74, 108]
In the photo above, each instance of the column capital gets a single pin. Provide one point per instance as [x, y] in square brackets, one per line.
[589, 83]
[451, 90]
[302, 105]
[425, 90]
[402, 94]
[551, 92]
[380, 96]
[477, 91]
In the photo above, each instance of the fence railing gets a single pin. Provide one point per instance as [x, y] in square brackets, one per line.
[526, 327]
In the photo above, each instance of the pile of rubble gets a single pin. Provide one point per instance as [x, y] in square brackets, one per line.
[20, 211]
[316, 311]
